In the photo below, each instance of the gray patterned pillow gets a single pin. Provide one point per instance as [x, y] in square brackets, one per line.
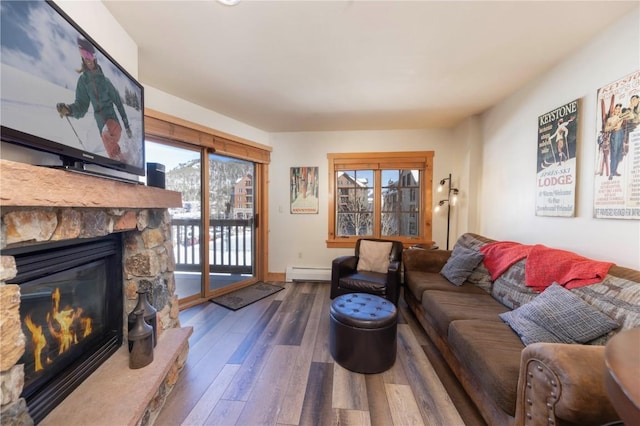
[510, 289]
[558, 316]
[461, 263]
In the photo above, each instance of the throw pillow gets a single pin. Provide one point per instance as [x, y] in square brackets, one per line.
[374, 256]
[558, 316]
[461, 264]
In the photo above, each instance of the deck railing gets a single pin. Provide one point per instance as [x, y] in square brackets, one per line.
[230, 245]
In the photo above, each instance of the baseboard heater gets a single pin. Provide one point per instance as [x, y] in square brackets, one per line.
[307, 273]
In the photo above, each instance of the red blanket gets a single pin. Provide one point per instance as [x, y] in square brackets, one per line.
[500, 255]
[546, 266]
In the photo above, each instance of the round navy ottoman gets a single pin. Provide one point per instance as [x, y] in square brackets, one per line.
[362, 333]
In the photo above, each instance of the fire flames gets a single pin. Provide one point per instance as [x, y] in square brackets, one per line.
[66, 326]
[38, 339]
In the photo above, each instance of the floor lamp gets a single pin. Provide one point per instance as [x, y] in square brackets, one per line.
[452, 197]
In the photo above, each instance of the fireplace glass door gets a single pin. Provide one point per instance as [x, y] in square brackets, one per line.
[62, 315]
[71, 308]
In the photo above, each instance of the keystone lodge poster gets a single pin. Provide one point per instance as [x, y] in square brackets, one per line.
[556, 175]
[617, 169]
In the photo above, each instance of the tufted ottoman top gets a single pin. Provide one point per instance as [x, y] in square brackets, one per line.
[363, 310]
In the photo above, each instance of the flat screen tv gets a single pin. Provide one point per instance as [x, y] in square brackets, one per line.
[63, 94]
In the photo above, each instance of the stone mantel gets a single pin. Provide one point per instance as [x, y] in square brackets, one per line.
[24, 185]
[41, 204]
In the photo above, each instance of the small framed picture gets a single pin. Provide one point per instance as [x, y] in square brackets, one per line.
[304, 190]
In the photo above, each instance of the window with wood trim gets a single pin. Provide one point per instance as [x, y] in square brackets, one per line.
[380, 195]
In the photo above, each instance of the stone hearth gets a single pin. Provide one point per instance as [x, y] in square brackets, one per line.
[42, 205]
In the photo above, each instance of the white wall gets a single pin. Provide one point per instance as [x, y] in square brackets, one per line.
[169, 104]
[300, 239]
[509, 133]
[468, 166]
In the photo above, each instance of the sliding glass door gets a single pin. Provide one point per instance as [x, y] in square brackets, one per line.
[214, 230]
[231, 221]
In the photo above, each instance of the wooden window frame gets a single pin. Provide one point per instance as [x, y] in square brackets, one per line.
[410, 160]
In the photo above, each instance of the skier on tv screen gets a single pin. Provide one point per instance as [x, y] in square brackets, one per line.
[94, 88]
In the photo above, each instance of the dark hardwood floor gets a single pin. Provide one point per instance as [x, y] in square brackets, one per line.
[269, 364]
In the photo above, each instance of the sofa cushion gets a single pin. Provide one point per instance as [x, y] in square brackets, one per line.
[461, 264]
[558, 316]
[418, 281]
[618, 296]
[446, 306]
[365, 282]
[490, 353]
[480, 275]
[510, 289]
[417, 259]
[374, 256]
[482, 278]
[473, 241]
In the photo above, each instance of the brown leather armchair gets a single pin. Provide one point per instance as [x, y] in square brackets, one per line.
[348, 277]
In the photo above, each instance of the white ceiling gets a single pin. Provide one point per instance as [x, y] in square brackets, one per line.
[354, 65]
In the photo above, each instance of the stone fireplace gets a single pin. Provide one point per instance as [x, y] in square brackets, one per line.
[71, 305]
[42, 207]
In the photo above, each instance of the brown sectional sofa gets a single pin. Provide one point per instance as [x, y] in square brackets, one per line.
[510, 383]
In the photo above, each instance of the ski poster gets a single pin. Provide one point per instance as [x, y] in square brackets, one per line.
[304, 190]
[617, 168]
[556, 173]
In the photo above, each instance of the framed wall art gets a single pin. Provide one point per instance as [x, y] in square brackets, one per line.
[617, 169]
[304, 190]
[556, 172]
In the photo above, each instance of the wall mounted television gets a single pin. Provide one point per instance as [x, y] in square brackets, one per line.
[63, 94]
